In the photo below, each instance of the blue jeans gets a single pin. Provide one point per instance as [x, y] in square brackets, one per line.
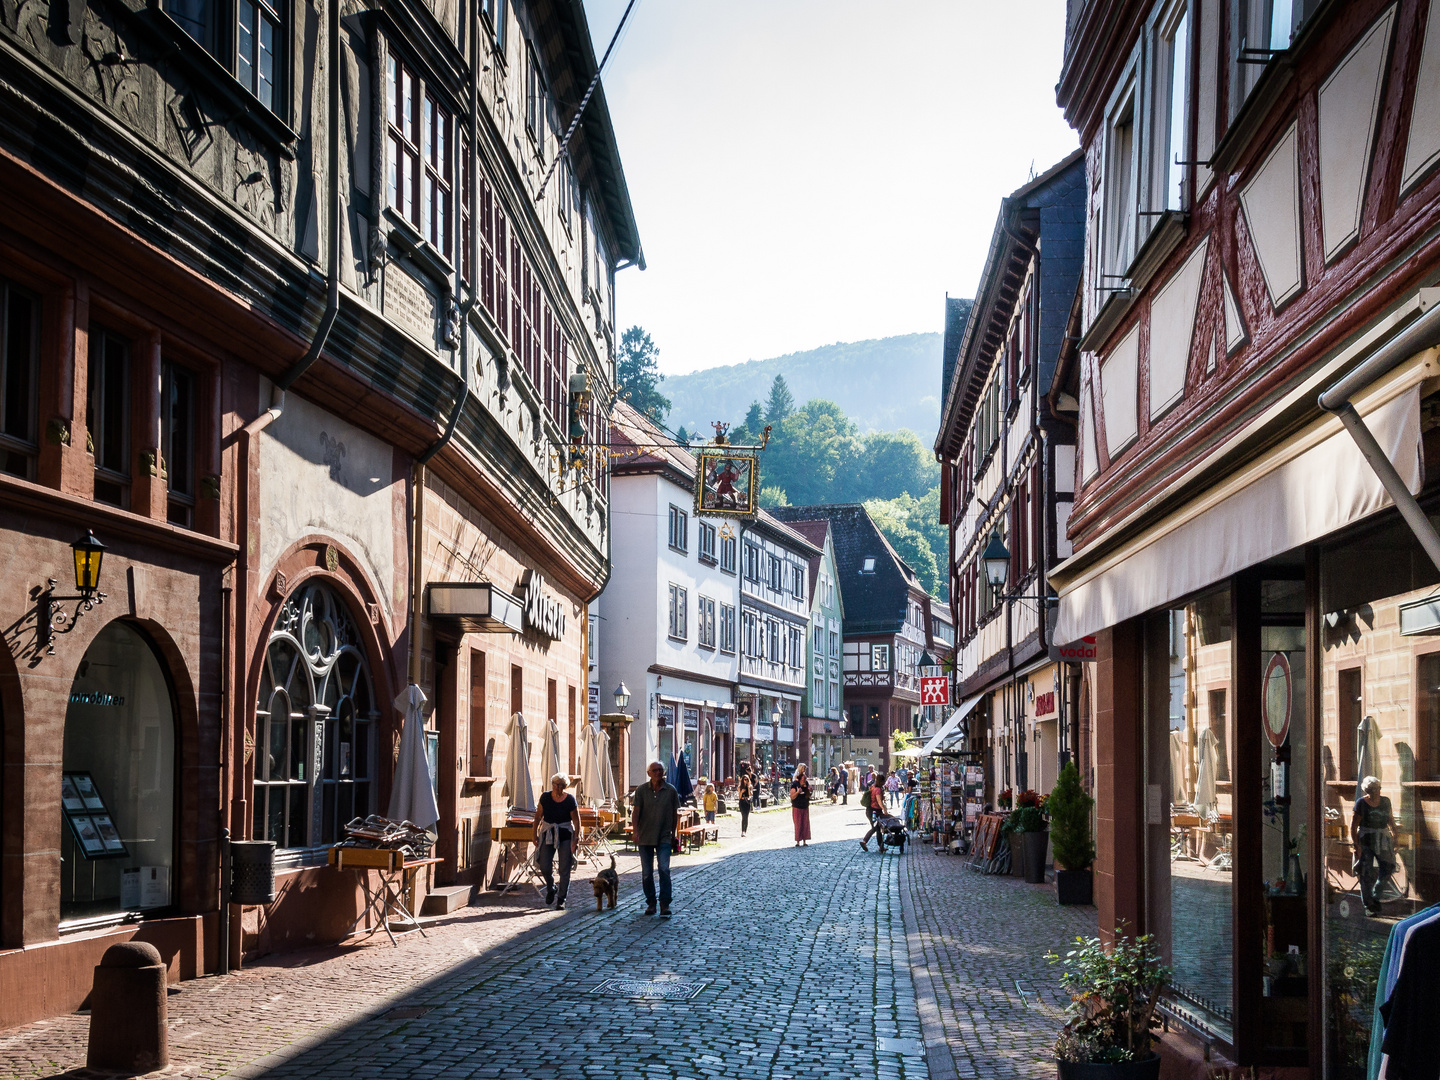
[650, 854]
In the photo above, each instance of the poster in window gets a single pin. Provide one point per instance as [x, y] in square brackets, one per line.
[109, 834]
[91, 842]
[70, 796]
[727, 482]
[86, 787]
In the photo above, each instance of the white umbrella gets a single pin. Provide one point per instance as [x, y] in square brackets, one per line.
[1205, 775]
[591, 788]
[549, 753]
[412, 798]
[518, 788]
[1367, 752]
[1177, 767]
[607, 774]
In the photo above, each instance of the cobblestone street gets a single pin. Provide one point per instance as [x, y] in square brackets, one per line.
[798, 963]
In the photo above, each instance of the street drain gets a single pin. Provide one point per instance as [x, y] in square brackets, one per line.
[407, 1012]
[661, 989]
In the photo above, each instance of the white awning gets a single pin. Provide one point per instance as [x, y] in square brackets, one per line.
[946, 729]
[1315, 483]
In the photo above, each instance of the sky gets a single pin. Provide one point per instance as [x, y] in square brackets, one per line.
[811, 171]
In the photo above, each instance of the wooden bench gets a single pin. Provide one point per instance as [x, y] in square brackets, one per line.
[695, 835]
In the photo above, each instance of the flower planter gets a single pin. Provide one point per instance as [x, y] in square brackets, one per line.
[1034, 846]
[1144, 1069]
[1075, 886]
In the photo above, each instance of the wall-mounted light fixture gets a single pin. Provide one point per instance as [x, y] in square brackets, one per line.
[89, 555]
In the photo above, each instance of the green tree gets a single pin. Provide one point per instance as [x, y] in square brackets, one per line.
[638, 373]
[781, 403]
[898, 520]
[772, 495]
[812, 452]
[747, 432]
[683, 436]
[895, 463]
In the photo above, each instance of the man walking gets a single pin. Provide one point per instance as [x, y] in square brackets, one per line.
[656, 821]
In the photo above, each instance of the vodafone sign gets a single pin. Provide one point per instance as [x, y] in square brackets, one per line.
[1079, 652]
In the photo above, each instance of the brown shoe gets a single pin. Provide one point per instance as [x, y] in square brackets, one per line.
[665, 911]
[649, 909]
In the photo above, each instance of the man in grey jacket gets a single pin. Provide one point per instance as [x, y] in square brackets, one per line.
[656, 821]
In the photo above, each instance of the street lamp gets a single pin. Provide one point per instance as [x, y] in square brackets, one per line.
[997, 562]
[622, 697]
[88, 554]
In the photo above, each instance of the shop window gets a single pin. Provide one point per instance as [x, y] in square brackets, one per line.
[19, 381]
[1372, 880]
[107, 416]
[315, 724]
[177, 441]
[117, 842]
[1349, 708]
[1190, 818]
[479, 765]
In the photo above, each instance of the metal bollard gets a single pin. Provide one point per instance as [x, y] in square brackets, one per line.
[128, 1016]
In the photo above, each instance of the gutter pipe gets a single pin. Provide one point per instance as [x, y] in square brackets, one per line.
[1422, 334]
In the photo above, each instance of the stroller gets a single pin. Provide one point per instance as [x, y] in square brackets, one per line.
[892, 834]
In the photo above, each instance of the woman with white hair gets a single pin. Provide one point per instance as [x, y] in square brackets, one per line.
[557, 828]
[1372, 837]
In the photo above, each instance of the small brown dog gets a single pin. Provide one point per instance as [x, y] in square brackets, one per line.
[606, 883]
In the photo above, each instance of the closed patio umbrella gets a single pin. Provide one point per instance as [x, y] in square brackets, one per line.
[1367, 752]
[592, 789]
[1205, 776]
[682, 778]
[603, 768]
[518, 788]
[549, 753]
[1177, 768]
[413, 796]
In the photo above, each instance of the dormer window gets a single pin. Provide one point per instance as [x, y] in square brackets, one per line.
[868, 566]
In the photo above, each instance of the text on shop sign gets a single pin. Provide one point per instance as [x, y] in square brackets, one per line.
[543, 613]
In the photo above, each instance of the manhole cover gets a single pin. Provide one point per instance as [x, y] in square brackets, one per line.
[407, 1012]
[904, 1047]
[666, 989]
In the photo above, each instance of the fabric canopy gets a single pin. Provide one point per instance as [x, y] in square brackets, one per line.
[938, 739]
[413, 796]
[1317, 484]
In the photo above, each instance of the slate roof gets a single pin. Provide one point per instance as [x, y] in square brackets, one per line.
[767, 521]
[632, 430]
[815, 532]
[874, 603]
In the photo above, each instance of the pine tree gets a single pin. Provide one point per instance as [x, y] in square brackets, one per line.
[638, 373]
[780, 403]
[682, 436]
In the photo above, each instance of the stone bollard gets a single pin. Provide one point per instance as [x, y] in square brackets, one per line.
[128, 1023]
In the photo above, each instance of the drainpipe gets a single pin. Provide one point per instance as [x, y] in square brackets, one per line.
[1422, 334]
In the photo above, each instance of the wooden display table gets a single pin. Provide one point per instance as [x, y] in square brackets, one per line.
[396, 879]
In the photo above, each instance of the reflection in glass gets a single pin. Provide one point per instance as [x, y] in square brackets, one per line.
[1188, 677]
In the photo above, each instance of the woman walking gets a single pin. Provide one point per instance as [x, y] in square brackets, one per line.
[744, 792]
[557, 826]
[800, 806]
[1372, 838]
[892, 789]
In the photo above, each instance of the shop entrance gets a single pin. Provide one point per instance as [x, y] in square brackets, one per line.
[117, 841]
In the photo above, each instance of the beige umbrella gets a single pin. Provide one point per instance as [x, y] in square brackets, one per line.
[1367, 753]
[549, 753]
[412, 798]
[591, 789]
[518, 788]
[1177, 768]
[1207, 752]
[607, 774]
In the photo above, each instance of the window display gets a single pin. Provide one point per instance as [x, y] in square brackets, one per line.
[118, 783]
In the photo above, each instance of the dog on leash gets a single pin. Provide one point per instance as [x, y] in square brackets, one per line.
[606, 884]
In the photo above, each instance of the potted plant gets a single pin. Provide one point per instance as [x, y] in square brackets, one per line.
[1027, 822]
[1069, 808]
[1113, 994]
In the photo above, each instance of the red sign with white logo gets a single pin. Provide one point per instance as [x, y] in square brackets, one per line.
[934, 690]
[1082, 651]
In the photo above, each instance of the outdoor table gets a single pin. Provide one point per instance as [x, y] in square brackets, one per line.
[395, 874]
[510, 838]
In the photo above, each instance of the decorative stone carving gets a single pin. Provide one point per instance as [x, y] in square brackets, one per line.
[58, 431]
[190, 124]
[254, 189]
[107, 75]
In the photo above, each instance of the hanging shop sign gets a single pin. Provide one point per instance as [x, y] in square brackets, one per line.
[1277, 690]
[1084, 651]
[934, 690]
[543, 613]
[727, 482]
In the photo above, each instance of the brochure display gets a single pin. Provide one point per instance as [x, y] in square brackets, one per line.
[90, 820]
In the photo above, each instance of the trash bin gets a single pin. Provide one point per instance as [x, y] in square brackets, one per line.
[128, 1021]
[252, 871]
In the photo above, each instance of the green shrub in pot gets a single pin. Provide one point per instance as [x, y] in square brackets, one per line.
[1113, 995]
[1069, 809]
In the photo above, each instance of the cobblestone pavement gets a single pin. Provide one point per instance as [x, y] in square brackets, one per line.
[989, 1002]
[819, 962]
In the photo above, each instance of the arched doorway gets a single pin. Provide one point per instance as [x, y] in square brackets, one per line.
[314, 724]
[117, 844]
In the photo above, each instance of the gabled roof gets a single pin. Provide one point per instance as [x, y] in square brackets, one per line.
[816, 532]
[642, 446]
[875, 602]
[1046, 218]
[765, 521]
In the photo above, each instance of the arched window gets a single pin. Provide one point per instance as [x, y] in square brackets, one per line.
[314, 724]
[117, 841]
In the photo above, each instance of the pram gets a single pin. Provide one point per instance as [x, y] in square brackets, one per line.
[891, 834]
